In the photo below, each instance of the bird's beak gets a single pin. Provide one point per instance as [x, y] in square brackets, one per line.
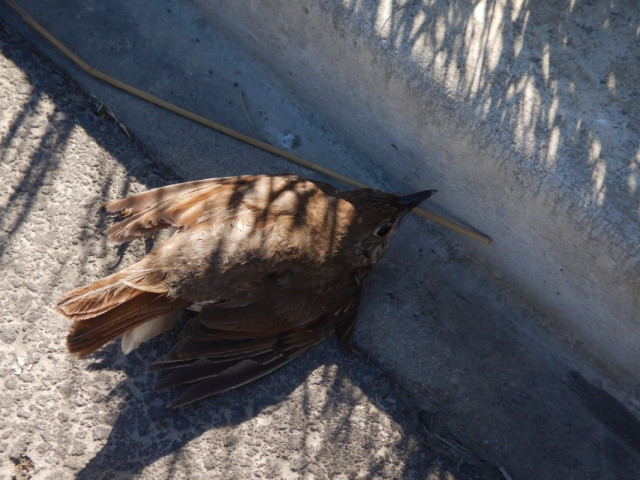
[413, 200]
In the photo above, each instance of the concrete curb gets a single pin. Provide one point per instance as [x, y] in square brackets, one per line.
[515, 112]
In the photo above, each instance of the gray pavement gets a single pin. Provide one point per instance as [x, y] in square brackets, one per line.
[325, 416]
[456, 390]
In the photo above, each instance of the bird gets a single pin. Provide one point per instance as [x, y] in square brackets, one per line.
[271, 265]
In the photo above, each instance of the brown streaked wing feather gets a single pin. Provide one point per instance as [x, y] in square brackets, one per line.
[241, 373]
[211, 376]
[203, 368]
[186, 204]
[189, 372]
[142, 201]
[202, 342]
[223, 349]
[103, 295]
[179, 211]
[254, 318]
[95, 298]
[222, 360]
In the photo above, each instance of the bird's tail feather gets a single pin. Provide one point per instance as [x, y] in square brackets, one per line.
[107, 308]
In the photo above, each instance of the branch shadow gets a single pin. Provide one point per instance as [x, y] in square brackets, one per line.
[146, 430]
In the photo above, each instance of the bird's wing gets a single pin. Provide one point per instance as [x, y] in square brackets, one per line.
[246, 344]
[177, 206]
[186, 204]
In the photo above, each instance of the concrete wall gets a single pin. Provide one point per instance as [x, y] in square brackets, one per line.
[524, 116]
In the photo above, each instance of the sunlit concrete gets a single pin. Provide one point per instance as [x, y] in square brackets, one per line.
[522, 114]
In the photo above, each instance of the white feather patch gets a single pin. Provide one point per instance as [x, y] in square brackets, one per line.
[134, 337]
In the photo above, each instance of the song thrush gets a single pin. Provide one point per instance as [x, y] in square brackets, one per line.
[274, 264]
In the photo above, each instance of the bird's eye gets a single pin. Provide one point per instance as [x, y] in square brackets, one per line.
[382, 231]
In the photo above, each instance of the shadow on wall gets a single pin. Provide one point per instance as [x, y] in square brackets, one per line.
[559, 83]
[527, 84]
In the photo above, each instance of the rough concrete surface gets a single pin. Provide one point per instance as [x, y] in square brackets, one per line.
[326, 416]
[476, 381]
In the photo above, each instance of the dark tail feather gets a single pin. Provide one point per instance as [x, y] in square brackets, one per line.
[241, 373]
[220, 368]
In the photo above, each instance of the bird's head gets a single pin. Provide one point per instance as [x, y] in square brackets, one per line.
[376, 215]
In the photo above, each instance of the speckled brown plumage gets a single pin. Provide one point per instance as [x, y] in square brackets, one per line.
[273, 264]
